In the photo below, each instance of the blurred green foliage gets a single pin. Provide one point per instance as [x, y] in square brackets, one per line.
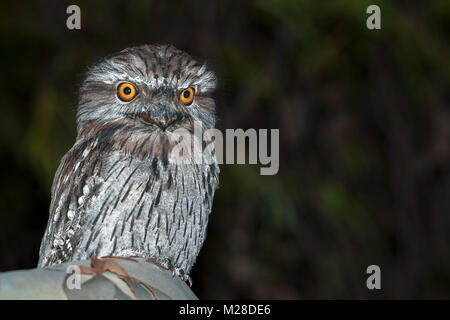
[364, 127]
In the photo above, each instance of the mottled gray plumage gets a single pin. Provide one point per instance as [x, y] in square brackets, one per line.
[118, 191]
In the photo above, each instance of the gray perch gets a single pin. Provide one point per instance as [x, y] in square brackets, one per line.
[99, 279]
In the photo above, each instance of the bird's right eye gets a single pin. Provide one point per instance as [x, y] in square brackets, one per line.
[126, 92]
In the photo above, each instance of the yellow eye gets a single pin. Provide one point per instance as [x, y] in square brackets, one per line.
[126, 92]
[187, 96]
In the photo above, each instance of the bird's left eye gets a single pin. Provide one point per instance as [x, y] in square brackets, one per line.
[126, 92]
[187, 96]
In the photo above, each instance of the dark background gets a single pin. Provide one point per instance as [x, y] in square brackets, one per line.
[364, 125]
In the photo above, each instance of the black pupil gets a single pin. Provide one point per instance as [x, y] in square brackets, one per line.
[186, 94]
[127, 90]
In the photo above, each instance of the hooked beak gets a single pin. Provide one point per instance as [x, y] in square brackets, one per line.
[161, 115]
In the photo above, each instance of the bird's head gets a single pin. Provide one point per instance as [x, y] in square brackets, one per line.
[141, 95]
[150, 87]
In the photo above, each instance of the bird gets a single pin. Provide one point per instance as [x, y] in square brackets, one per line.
[121, 190]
